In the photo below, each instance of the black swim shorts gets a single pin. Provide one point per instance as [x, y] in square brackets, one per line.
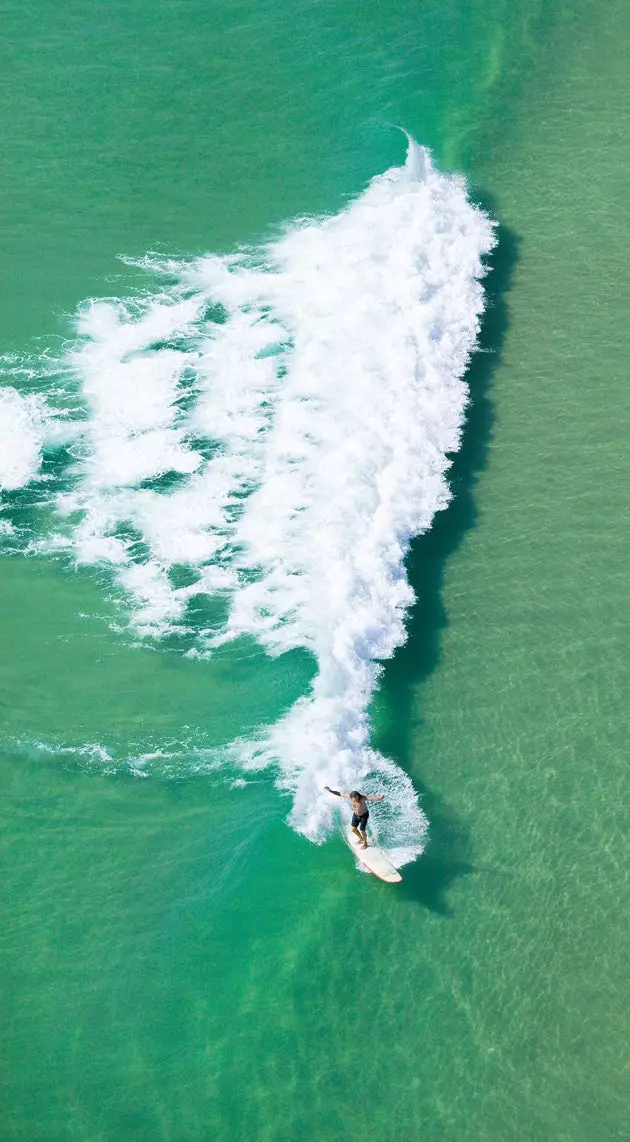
[360, 822]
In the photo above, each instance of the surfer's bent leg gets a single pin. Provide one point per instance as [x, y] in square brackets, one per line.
[362, 823]
[355, 824]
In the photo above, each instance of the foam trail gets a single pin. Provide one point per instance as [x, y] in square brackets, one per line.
[279, 422]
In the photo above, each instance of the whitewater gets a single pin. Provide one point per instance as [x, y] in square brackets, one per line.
[271, 428]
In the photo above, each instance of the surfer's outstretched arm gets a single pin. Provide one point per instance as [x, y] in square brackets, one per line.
[340, 793]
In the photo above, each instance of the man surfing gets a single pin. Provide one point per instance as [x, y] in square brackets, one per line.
[360, 811]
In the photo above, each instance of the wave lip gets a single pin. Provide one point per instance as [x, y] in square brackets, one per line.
[279, 421]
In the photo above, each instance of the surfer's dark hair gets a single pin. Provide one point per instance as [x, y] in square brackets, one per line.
[355, 793]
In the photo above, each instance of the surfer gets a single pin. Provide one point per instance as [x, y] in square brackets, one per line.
[360, 811]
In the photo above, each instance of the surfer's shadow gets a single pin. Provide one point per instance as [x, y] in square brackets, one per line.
[427, 882]
[448, 858]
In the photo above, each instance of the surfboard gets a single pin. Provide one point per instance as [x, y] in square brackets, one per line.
[373, 859]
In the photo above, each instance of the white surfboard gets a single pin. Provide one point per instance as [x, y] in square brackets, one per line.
[373, 859]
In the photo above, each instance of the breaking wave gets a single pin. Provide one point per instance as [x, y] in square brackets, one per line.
[271, 428]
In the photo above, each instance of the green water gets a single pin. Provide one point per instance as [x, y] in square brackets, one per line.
[177, 963]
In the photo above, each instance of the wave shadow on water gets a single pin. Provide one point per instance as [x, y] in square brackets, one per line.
[449, 854]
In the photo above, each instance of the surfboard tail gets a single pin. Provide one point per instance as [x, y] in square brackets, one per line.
[374, 860]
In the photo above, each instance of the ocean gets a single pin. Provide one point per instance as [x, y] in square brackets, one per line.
[313, 464]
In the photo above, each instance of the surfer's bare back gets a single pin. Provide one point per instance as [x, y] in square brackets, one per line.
[360, 811]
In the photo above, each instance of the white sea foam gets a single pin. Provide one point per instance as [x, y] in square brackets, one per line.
[279, 421]
[22, 431]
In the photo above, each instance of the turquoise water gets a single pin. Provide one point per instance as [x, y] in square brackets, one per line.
[181, 964]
